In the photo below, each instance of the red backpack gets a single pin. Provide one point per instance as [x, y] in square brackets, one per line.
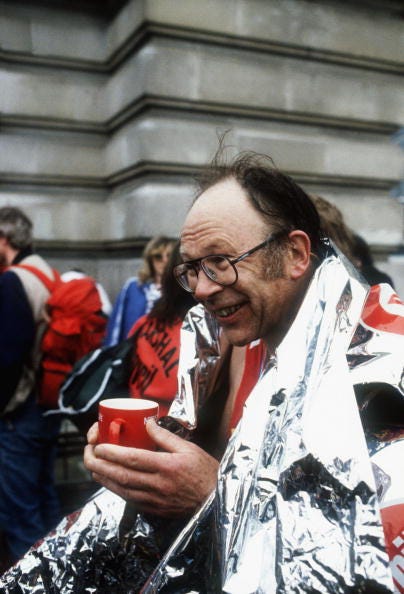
[76, 326]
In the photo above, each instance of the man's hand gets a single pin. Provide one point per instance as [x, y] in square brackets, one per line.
[170, 483]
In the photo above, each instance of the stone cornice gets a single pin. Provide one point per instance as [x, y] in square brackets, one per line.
[214, 108]
[132, 246]
[27, 59]
[154, 169]
[282, 49]
[146, 103]
[113, 247]
[22, 180]
[50, 123]
[148, 29]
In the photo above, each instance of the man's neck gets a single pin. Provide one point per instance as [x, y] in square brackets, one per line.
[276, 336]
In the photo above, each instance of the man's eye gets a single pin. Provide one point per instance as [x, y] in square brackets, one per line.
[217, 262]
[211, 272]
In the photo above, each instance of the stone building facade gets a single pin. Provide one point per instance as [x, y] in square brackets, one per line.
[107, 110]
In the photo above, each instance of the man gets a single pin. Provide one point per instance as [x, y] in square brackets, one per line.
[251, 246]
[28, 502]
[261, 303]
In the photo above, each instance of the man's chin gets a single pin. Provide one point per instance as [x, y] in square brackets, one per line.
[236, 338]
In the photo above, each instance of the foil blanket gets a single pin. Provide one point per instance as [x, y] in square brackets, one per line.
[296, 507]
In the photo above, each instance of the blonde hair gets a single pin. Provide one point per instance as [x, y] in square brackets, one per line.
[156, 245]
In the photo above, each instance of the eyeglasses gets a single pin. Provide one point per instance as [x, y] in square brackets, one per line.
[218, 268]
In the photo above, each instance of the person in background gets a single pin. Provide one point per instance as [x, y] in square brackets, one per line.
[155, 368]
[352, 245]
[28, 501]
[364, 261]
[139, 293]
[75, 273]
[334, 226]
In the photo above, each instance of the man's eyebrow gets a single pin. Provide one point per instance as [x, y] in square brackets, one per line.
[185, 258]
[210, 250]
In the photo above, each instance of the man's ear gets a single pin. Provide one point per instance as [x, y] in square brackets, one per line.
[299, 254]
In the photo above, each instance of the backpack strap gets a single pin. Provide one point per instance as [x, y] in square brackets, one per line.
[49, 283]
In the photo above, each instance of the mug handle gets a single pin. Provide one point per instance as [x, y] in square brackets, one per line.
[114, 430]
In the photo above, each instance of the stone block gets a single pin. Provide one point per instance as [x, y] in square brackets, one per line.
[201, 72]
[51, 153]
[70, 35]
[125, 23]
[61, 214]
[148, 209]
[331, 26]
[162, 138]
[15, 29]
[54, 32]
[51, 93]
[307, 149]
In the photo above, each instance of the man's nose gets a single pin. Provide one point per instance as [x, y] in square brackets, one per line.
[205, 287]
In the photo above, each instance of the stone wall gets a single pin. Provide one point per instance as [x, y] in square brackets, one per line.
[105, 119]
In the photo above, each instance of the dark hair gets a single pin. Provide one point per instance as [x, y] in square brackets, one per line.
[281, 201]
[174, 301]
[16, 227]
[361, 251]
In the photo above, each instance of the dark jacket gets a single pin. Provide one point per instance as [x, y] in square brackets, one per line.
[22, 300]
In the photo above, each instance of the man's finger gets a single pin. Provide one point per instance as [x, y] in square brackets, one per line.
[131, 458]
[108, 472]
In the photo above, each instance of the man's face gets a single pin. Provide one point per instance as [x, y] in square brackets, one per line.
[222, 221]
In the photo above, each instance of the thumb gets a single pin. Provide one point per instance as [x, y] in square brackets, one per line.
[167, 441]
[92, 434]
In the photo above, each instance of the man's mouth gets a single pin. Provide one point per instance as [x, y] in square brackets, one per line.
[225, 312]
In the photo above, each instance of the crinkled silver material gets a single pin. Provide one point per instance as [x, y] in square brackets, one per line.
[295, 509]
[104, 548]
[200, 364]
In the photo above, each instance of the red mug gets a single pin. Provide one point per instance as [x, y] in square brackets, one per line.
[122, 421]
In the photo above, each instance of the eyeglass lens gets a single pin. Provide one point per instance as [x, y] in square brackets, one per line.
[217, 268]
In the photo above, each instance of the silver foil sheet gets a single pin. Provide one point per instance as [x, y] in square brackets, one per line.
[387, 463]
[201, 361]
[105, 548]
[295, 509]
